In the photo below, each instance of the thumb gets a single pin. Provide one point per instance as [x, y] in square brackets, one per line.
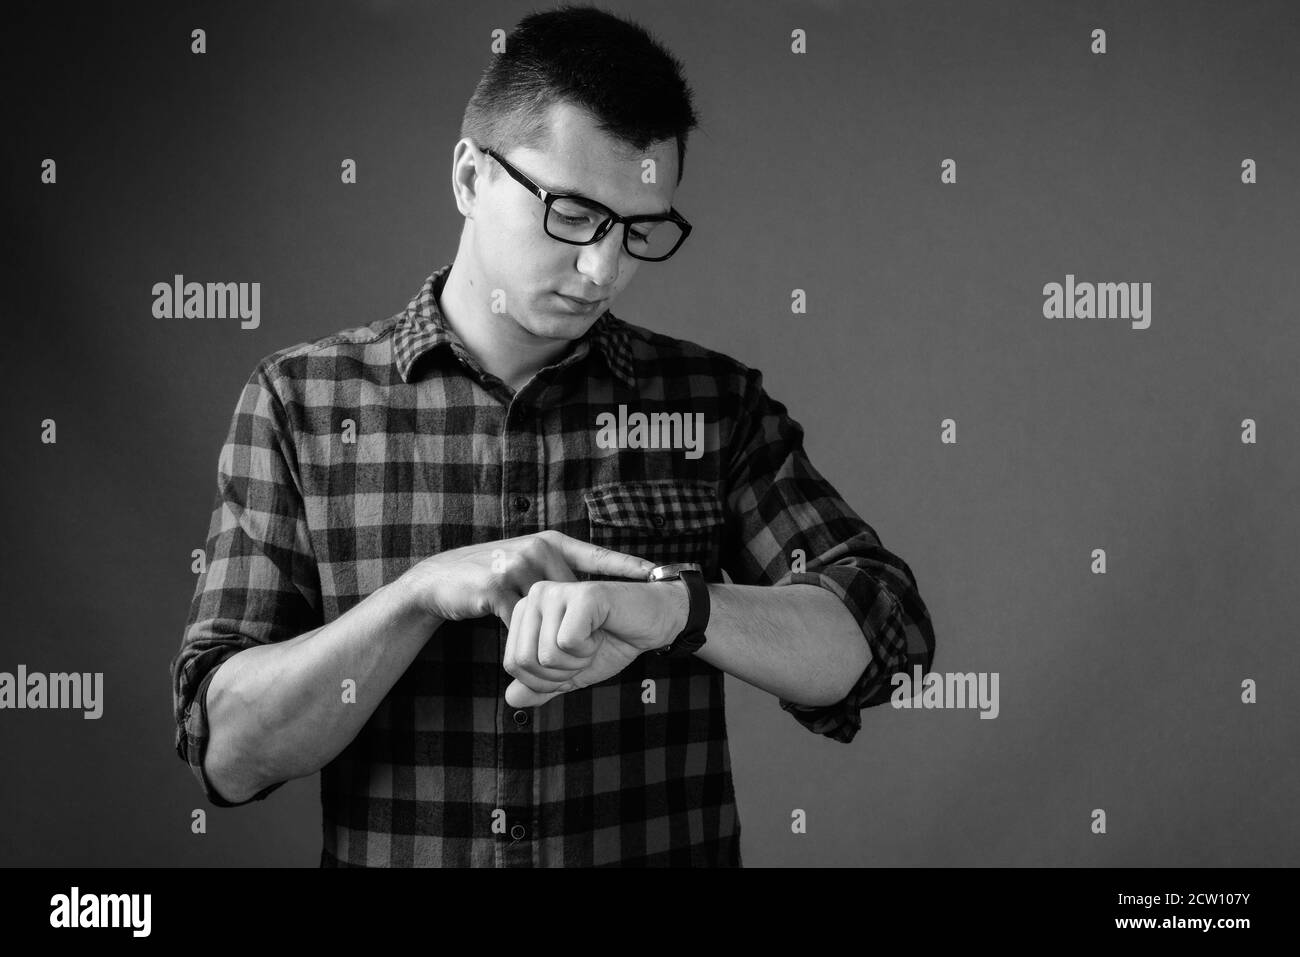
[519, 695]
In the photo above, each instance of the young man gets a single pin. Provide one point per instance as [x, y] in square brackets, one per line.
[428, 563]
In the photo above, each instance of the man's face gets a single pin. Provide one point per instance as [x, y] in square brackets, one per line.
[534, 270]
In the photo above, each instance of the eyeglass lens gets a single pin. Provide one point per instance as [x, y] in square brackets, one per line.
[574, 221]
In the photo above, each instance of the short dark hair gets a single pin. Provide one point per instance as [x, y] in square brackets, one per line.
[612, 68]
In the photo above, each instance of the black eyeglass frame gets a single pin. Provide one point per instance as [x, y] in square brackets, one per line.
[612, 218]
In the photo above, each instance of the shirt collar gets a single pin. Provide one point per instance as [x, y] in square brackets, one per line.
[423, 328]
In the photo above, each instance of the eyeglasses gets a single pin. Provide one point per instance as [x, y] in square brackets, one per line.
[579, 221]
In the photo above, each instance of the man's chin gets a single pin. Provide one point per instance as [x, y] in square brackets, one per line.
[547, 325]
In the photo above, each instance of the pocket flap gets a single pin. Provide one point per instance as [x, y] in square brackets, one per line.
[663, 506]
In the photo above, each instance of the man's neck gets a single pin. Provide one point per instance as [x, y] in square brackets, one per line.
[501, 346]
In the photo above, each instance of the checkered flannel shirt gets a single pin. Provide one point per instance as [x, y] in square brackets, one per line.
[444, 772]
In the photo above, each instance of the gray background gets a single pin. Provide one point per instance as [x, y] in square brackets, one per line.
[820, 172]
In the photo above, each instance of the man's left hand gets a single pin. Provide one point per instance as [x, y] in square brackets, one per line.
[569, 635]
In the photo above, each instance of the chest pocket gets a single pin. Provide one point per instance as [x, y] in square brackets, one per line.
[664, 520]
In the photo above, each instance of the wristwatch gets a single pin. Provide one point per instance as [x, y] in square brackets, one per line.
[691, 638]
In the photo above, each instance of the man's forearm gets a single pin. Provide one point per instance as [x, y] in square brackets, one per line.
[798, 642]
[277, 711]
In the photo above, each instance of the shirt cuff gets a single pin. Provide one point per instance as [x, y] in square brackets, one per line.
[881, 618]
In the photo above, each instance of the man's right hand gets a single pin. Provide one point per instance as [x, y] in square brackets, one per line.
[491, 578]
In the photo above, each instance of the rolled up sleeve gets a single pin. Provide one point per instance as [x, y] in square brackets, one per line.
[260, 583]
[783, 514]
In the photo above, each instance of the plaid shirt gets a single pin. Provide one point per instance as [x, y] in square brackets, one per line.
[307, 524]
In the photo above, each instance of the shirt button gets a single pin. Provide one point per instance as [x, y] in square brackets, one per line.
[521, 718]
[658, 520]
[521, 503]
[518, 832]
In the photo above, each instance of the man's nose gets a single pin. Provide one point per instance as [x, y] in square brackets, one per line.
[600, 260]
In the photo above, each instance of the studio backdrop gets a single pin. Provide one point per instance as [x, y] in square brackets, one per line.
[1026, 274]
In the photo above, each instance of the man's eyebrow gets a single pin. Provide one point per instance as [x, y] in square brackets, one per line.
[559, 188]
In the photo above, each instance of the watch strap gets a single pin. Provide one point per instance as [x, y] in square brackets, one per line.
[692, 637]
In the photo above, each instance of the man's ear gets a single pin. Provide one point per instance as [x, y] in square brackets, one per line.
[468, 173]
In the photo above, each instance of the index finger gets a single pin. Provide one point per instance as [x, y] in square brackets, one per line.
[597, 560]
